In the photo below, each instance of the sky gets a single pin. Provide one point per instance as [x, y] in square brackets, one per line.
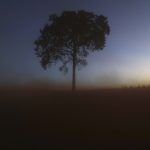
[125, 61]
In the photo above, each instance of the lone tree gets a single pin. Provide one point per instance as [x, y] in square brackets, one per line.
[70, 37]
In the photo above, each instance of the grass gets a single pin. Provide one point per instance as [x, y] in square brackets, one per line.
[42, 118]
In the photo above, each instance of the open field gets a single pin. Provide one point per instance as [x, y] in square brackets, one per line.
[99, 119]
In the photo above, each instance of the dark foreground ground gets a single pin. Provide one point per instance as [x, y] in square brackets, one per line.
[94, 120]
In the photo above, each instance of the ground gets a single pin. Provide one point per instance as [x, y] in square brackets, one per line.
[42, 118]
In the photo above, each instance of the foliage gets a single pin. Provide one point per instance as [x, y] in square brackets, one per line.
[70, 37]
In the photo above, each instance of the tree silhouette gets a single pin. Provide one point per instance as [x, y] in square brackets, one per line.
[69, 38]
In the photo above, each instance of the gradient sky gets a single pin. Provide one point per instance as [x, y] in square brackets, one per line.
[124, 61]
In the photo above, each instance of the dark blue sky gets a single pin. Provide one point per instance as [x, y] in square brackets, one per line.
[124, 61]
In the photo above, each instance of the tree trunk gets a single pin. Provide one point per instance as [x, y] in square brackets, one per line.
[74, 71]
